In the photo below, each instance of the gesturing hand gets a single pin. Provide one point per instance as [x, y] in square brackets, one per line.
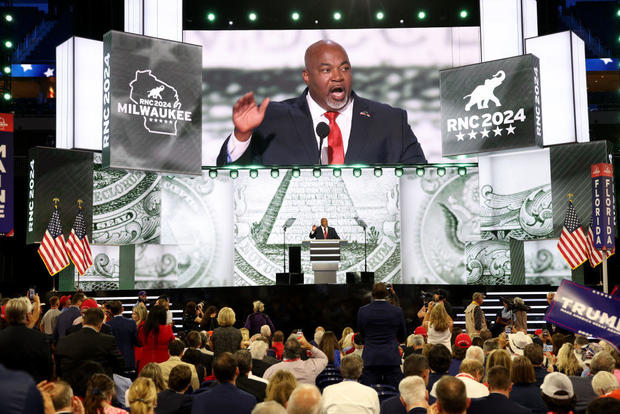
[313, 227]
[247, 116]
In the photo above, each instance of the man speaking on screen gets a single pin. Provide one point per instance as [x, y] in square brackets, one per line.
[323, 232]
[288, 132]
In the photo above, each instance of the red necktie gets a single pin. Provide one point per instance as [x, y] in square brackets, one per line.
[335, 149]
[326, 233]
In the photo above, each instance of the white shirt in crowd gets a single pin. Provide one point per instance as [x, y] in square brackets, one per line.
[350, 397]
[473, 388]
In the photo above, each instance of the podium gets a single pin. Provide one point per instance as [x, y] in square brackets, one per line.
[325, 257]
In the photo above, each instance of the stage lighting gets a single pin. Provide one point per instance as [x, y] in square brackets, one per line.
[380, 15]
[419, 171]
[275, 173]
[462, 171]
[8, 44]
[8, 17]
[378, 172]
[316, 172]
[253, 173]
[230, 22]
[211, 16]
[7, 69]
[463, 14]
[357, 172]
[337, 16]
[441, 171]
[402, 21]
[234, 174]
[421, 15]
[296, 172]
[213, 173]
[398, 172]
[618, 12]
[337, 172]
[252, 16]
[295, 16]
[7, 96]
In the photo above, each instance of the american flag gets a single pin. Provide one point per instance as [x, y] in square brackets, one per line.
[53, 251]
[78, 246]
[595, 255]
[573, 243]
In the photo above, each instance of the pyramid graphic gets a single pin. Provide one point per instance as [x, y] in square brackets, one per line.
[308, 198]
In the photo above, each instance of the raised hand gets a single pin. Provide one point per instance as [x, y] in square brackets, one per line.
[313, 227]
[247, 116]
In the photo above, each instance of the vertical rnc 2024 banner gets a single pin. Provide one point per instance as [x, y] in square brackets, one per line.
[6, 175]
[603, 209]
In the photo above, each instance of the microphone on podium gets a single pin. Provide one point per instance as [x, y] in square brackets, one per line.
[322, 130]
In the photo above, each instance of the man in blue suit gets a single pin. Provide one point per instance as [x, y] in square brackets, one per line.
[498, 400]
[225, 397]
[383, 327]
[283, 133]
[126, 333]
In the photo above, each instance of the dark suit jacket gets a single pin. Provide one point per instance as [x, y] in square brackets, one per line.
[88, 345]
[496, 403]
[194, 356]
[583, 391]
[105, 329]
[126, 333]
[393, 405]
[25, 349]
[224, 398]
[18, 393]
[65, 321]
[380, 134]
[319, 235]
[259, 366]
[170, 402]
[383, 327]
[256, 388]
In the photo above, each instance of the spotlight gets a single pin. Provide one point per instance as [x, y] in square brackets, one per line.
[296, 172]
[618, 12]
[213, 173]
[421, 15]
[398, 172]
[8, 44]
[337, 16]
[295, 16]
[441, 171]
[6, 69]
[252, 16]
[234, 174]
[211, 16]
[380, 15]
[378, 172]
[8, 17]
[462, 171]
[7, 96]
[402, 21]
[357, 172]
[253, 173]
[463, 14]
[275, 173]
[230, 22]
[316, 22]
[337, 172]
[419, 171]
[316, 172]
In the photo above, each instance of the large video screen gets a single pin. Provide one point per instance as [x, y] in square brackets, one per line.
[398, 67]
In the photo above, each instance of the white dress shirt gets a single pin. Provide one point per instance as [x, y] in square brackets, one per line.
[236, 148]
[350, 397]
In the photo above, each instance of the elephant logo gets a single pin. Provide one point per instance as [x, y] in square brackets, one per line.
[482, 94]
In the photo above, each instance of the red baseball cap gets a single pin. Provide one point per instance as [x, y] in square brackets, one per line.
[538, 332]
[89, 303]
[65, 299]
[420, 330]
[462, 341]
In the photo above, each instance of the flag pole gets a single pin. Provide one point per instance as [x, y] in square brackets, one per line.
[79, 203]
[605, 276]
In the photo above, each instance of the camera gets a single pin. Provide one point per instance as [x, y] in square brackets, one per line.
[427, 297]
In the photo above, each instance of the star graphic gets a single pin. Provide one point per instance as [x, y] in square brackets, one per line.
[26, 67]
[485, 133]
[606, 60]
[498, 131]
[459, 136]
[510, 130]
[49, 72]
[472, 134]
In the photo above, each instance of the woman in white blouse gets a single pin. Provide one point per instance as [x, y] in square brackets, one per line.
[438, 325]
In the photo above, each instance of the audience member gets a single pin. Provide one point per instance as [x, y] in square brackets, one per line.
[174, 400]
[152, 370]
[63, 399]
[604, 382]
[126, 333]
[142, 396]
[475, 352]
[550, 296]
[413, 395]
[48, 322]
[139, 314]
[605, 346]
[209, 319]
[414, 365]
[439, 363]
[383, 328]
[499, 357]
[164, 300]
[349, 396]
[88, 344]
[606, 405]
[471, 373]
[226, 338]
[518, 341]
[567, 362]
[318, 335]
[255, 321]
[99, 395]
[245, 338]
[305, 399]
[490, 345]
[175, 352]
[266, 331]
[193, 355]
[499, 392]
[260, 363]
[18, 393]
[421, 330]
[415, 344]
[281, 385]
[438, 325]
[584, 393]
[68, 315]
[475, 321]
[451, 396]
[192, 315]
[154, 335]
[257, 388]
[142, 299]
[358, 344]
[557, 393]
[331, 348]
[525, 390]
[277, 343]
[461, 343]
[304, 371]
[345, 332]
[22, 348]
[269, 407]
[225, 397]
[534, 353]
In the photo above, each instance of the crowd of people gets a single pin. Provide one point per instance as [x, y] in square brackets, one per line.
[81, 356]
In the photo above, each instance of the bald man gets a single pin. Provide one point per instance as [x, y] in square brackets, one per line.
[284, 133]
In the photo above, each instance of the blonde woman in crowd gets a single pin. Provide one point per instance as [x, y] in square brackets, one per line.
[280, 387]
[226, 338]
[499, 357]
[438, 325]
[142, 396]
[567, 362]
[345, 332]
